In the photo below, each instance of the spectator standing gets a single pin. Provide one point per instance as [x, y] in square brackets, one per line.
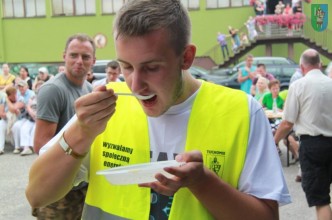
[154, 58]
[259, 8]
[55, 107]
[244, 40]
[298, 17]
[112, 74]
[261, 71]
[279, 9]
[308, 107]
[247, 74]
[234, 34]
[26, 94]
[221, 38]
[288, 14]
[297, 7]
[250, 24]
[11, 107]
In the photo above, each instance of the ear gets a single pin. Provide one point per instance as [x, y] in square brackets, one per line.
[302, 69]
[188, 56]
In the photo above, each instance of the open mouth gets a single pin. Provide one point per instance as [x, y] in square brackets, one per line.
[150, 100]
[145, 97]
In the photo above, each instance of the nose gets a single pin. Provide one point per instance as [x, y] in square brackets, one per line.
[137, 81]
[79, 59]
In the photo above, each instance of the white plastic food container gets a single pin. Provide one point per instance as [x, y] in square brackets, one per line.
[138, 173]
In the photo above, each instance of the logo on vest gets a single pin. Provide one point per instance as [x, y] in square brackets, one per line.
[215, 161]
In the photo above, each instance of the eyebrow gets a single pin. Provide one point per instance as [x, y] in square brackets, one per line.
[147, 62]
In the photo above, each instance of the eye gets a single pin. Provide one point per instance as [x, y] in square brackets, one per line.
[86, 57]
[126, 67]
[73, 55]
[152, 68]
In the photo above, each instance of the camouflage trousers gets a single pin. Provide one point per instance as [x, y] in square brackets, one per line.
[68, 208]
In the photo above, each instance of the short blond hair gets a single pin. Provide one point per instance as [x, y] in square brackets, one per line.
[262, 78]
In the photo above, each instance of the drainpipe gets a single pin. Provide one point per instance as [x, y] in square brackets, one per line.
[2, 40]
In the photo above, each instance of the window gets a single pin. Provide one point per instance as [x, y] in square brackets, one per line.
[226, 3]
[112, 6]
[217, 3]
[74, 7]
[23, 8]
[190, 4]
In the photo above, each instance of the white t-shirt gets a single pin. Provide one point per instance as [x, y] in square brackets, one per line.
[262, 175]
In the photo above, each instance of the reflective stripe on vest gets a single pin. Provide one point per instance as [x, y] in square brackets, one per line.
[218, 127]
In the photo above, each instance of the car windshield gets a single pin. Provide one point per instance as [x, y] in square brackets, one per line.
[199, 69]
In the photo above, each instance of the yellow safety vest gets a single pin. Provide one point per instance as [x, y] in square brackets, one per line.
[218, 127]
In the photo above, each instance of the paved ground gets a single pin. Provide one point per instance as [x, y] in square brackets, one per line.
[14, 177]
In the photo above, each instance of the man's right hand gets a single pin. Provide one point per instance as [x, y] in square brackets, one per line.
[94, 110]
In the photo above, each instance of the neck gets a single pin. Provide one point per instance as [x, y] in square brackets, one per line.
[78, 81]
[190, 86]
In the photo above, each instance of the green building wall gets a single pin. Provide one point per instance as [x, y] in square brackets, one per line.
[42, 40]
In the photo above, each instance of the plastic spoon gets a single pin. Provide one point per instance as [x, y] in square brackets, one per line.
[141, 97]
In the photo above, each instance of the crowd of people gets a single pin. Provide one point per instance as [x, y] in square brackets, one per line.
[305, 117]
[18, 108]
[283, 13]
[238, 39]
[263, 86]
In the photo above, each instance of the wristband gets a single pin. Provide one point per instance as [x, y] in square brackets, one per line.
[68, 150]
